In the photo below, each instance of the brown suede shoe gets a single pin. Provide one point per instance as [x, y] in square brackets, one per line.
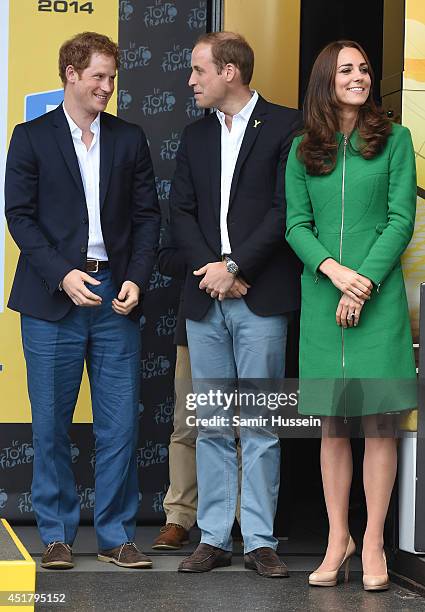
[265, 562]
[171, 537]
[126, 555]
[206, 558]
[57, 555]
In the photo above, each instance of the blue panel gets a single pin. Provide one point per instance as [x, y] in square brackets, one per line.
[40, 103]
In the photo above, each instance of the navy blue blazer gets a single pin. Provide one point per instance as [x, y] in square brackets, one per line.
[257, 209]
[47, 215]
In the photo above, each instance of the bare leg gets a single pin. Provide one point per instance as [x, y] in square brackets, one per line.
[379, 472]
[337, 470]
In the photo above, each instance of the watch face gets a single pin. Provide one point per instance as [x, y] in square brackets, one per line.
[232, 267]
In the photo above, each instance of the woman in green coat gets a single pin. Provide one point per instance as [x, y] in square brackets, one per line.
[351, 197]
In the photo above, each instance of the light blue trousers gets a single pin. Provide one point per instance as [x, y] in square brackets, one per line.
[231, 343]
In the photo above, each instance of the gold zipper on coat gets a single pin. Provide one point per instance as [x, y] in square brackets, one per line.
[340, 261]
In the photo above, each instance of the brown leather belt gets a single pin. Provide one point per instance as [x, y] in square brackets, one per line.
[94, 265]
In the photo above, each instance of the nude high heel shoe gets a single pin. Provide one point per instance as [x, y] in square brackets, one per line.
[377, 583]
[330, 579]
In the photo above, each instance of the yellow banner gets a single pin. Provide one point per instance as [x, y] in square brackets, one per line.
[414, 119]
[36, 30]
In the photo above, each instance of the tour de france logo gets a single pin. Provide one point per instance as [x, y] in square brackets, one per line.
[158, 499]
[124, 99]
[158, 280]
[75, 453]
[176, 58]
[192, 110]
[197, 18]
[163, 187]
[160, 13]
[158, 102]
[164, 411]
[18, 453]
[166, 324]
[3, 498]
[126, 10]
[152, 453]
[169, 147]
[155, 365]
[24, 502]
[86, 497]
[135, 56]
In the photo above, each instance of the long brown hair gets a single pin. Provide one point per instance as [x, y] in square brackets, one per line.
[318, 148]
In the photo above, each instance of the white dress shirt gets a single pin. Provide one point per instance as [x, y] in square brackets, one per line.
[230, 146]
[89, 163]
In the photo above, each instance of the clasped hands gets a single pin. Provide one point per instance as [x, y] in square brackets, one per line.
[74, 285]
[356, 290]
[219, 283]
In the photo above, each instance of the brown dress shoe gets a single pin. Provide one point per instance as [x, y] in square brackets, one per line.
[57, 555]
[206, 558]
[265, 562]
[171, 537]
[126, 555]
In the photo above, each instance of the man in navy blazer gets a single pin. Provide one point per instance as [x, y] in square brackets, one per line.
[81, 205]
[228, 216]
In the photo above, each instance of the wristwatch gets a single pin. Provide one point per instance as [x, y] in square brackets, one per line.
[231, 265]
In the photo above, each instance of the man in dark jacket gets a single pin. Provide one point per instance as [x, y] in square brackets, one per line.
[228, 218]
[81, 205]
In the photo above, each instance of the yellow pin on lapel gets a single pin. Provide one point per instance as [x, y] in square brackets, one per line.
[256, 123]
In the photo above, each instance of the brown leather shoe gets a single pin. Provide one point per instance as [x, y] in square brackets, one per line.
[57, 555]
[265, 562]
[206, 558]
[171, 537]
[126, 555]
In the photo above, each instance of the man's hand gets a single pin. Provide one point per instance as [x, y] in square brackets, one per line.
[238, 289]
[354, 285]
[73, 285]
[348, 312]
[127, 298]
[217, 280]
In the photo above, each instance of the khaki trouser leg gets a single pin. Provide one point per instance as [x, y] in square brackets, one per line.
[180, 502]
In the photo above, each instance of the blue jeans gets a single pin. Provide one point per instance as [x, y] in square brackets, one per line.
[230, 343]
[55, 353]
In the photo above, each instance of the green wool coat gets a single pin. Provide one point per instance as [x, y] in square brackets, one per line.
[366, 223]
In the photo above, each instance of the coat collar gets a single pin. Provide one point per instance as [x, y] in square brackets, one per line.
[66, 146]
[106, 156]
[255, 123]
[214, 158]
